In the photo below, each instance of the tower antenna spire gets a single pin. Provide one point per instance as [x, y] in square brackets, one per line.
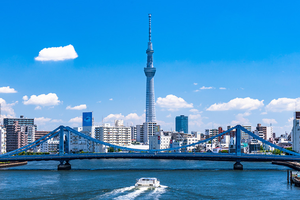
[149, 27]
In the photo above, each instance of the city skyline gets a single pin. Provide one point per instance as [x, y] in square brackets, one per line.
[219, 65]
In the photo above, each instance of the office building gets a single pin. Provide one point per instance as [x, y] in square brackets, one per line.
[182, 124]
[79, 144]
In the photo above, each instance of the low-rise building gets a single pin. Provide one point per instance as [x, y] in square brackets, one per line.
[160, 140]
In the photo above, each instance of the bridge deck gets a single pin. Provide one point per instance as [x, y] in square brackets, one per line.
[177, 156]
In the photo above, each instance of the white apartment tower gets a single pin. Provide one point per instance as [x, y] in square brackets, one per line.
[117, 135]
[2, 140]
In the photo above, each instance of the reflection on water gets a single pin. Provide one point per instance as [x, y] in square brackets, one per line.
[113, 179]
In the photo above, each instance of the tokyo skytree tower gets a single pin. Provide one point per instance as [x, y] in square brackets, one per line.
[150, 72]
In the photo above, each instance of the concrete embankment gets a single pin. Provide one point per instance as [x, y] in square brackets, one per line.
[293, 165]
[12, 164]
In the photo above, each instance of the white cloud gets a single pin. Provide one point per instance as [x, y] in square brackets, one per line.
[169, 115]
[76, 120]
[240, 119]
[269, 121]
[196, 90]
[80, 107]
[98, 101]
[111, 117]
[7, 90]
[222, 88]
[6, 108]
[134, 116]
[111, 99]
[195, 120]
[196, 116]
[195, 83]
[57, 53]
[194, 110]
[283, 104]
[263, 113]
[206, 88]
[50, 99]
[42, 120]
[131, 118]
[173, 103]
[57, 121]
[38, 108]
[237, 104]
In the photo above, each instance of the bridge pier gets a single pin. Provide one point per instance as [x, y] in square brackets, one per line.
[238, 166]
[64, 166]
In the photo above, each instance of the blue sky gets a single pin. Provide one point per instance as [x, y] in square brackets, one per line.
[249, 49]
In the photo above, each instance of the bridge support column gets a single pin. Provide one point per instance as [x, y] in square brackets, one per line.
[64, 166]
[238, 166]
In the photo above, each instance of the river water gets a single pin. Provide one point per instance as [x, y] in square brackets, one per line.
[115, 179]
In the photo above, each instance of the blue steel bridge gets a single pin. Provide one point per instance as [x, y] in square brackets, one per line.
[64, 155]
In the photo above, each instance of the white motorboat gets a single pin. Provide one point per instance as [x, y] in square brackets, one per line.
[147, 182]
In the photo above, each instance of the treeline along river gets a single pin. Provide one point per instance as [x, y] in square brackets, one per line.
[115, 179]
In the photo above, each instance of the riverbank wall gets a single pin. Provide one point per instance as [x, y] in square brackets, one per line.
[293, 165]
[12, 164]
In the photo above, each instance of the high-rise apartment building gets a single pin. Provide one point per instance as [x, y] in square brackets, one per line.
[146, 130]
[39, 134]
[182, 124]
[133, 132]
[117, 135]
[245, 136]
[29, 130]
[27, 126]
[15, 138]
[296, 132]
[259, 127]
[211, 132]
[21, 121]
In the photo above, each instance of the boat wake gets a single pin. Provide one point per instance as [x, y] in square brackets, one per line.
[115, 192]
[157, 192]
[132, 195]
[129, 193]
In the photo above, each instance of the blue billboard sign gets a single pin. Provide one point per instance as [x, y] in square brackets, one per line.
[87, 119]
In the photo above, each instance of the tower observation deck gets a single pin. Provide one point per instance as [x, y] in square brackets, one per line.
[150, 72]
